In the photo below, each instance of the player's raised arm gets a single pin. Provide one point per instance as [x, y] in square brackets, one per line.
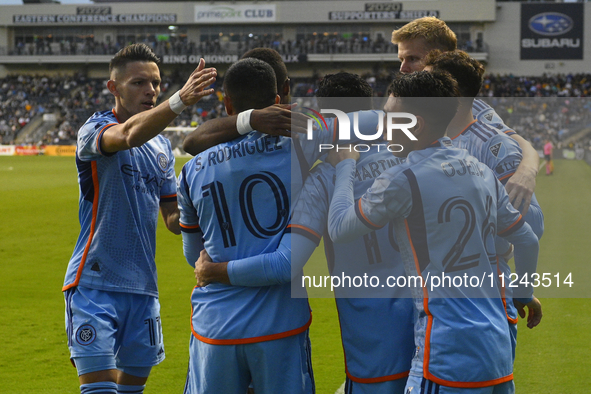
[138, 87]
[522, 184]
[278, 119]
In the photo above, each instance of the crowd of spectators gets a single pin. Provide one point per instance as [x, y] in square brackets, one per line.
[312, 44]
[550, 106]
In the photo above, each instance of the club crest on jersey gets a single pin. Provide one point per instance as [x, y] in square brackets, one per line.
[498, 150]
[85, 335]
[162, 161]
[489, 116]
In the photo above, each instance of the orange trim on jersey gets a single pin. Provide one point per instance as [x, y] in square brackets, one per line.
[484, 383]
[509, 319]
[427, 350]
[378, 379]
[306, 229]
[169, 196]
[98, 137]
[95, 201]
[115, 115]
[189, 227]
[509, 131]
[507, 176]
[365, 217]
[465, 128]
[509, 228]
[244, 341]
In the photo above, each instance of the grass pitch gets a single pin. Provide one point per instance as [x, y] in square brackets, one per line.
[39, 227]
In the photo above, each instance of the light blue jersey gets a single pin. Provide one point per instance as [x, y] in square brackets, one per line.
[462, 335]
[238, 196]
[486, 114]
[377, 333]
[119, 203]
[502, 155]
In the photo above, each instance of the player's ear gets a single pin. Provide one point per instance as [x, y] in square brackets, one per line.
[277, 99]
[285, 89]
[112, 86]
[419, 127]
[228, 104]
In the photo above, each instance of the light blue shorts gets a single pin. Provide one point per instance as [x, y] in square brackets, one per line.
[389, 387]
[420, 385]
[279, 366]
[117, 329]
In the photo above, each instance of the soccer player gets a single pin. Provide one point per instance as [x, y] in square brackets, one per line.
[276, 119]
[461, 334]
[415, 40]
[377, 333]
[126, 176]
[236, 197]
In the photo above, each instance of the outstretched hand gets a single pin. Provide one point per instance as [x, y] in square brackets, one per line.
[279, 119]
[534, 308]
[194, 89]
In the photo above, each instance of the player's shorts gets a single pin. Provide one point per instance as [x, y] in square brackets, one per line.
[547, 157]
[279, 366]
[121, 329]
[419, 385]
[389, 387]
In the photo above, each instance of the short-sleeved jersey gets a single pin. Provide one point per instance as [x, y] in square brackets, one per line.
[486, 114]
[502, 155]
[238, 195]
[119, 202]
[377, 333]
[458, 327]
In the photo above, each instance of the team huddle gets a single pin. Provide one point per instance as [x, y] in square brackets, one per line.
[252, 207]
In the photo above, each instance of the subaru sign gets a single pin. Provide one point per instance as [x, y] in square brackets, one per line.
[551, 31]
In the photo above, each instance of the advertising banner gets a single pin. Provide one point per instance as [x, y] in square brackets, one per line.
[251, 13]
[60, 150]
[551, 31]
[6, 150]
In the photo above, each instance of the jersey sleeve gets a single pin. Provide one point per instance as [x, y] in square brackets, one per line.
[389, 197]
[502, 155]
[487, 115]
[89, 139]
[311, 209]
[189, 220]
[512, 226]
[273, 268]
[168, 191]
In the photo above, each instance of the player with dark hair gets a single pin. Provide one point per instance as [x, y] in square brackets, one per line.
[126, 176]
[377, 333]
[339, 88]
[274, 120]
[461, 334]
[236, 197]
[415, 40]
[495, 149]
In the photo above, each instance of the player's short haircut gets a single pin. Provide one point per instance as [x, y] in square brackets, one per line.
[132, 53]
[250, 84]
[434, 31]
[274, 59]
[467, 71]
[432, 95]
[344, 84]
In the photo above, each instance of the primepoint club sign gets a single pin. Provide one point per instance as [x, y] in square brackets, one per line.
[251, 13]
[345, 127]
